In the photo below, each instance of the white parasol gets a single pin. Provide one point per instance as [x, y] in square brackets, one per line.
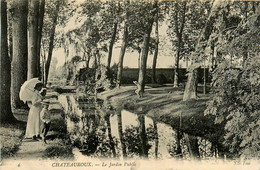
[27, 89]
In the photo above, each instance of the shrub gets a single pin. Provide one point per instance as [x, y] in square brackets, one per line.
[59, 148]
[11, 137]
[161, 79]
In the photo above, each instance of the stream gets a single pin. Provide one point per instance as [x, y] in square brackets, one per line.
[102, 134]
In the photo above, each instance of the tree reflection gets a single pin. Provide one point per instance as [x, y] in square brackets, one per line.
[139, 140]
[111, 141]
[143, 138]
[178, 144]
[120, 132]
[156, 138]
[192, 143]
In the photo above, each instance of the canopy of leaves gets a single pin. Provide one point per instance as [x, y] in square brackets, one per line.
[143, 10]
[236, 99]
[195, 14]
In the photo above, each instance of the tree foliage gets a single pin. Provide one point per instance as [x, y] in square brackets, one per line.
[195, 14]
[236, 101]
[236, 85]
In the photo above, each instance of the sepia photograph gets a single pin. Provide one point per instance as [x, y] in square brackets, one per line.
[130, 84]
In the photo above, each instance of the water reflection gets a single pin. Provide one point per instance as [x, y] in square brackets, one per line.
[121, 134]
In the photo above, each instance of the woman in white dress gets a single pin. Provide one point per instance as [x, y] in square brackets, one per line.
[33, 123]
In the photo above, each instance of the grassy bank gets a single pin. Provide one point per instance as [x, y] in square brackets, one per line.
[11, 134]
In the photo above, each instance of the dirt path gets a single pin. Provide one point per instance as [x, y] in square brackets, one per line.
[29, 156]
[31, 149]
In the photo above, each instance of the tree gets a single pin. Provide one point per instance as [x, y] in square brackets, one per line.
[32, 38]
[19, 60]
[191, 85]
[90, 37]
[53, 70]
[111, 44]
[51, 40]
[148, 22]
[5, 70]
[39, 38]
[9, 31]
[178, 22]
[156, 46]
[115, 18]
[123, 48]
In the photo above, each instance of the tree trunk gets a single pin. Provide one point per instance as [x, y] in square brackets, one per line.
[5, 68]
[143, 59]
[95, 58]
[111, 141]
[143, 137]
[10, 45]
[111, 44]
[190, 88]
[19, 61]
[88, 59]
[176, 70]
[145, 50]
[187, 62]
[139, 56]
[120, 132]
[156, 49]
[212, 47]
[245, 47]
[43, 66]
[51, 46]
[178, 32]
[32, 38]
[122, 54]
[39, 39]
[66, 51]
[10, 35]
[98, 58]
[204, 77]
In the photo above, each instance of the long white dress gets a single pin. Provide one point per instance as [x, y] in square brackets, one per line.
[33, 123]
